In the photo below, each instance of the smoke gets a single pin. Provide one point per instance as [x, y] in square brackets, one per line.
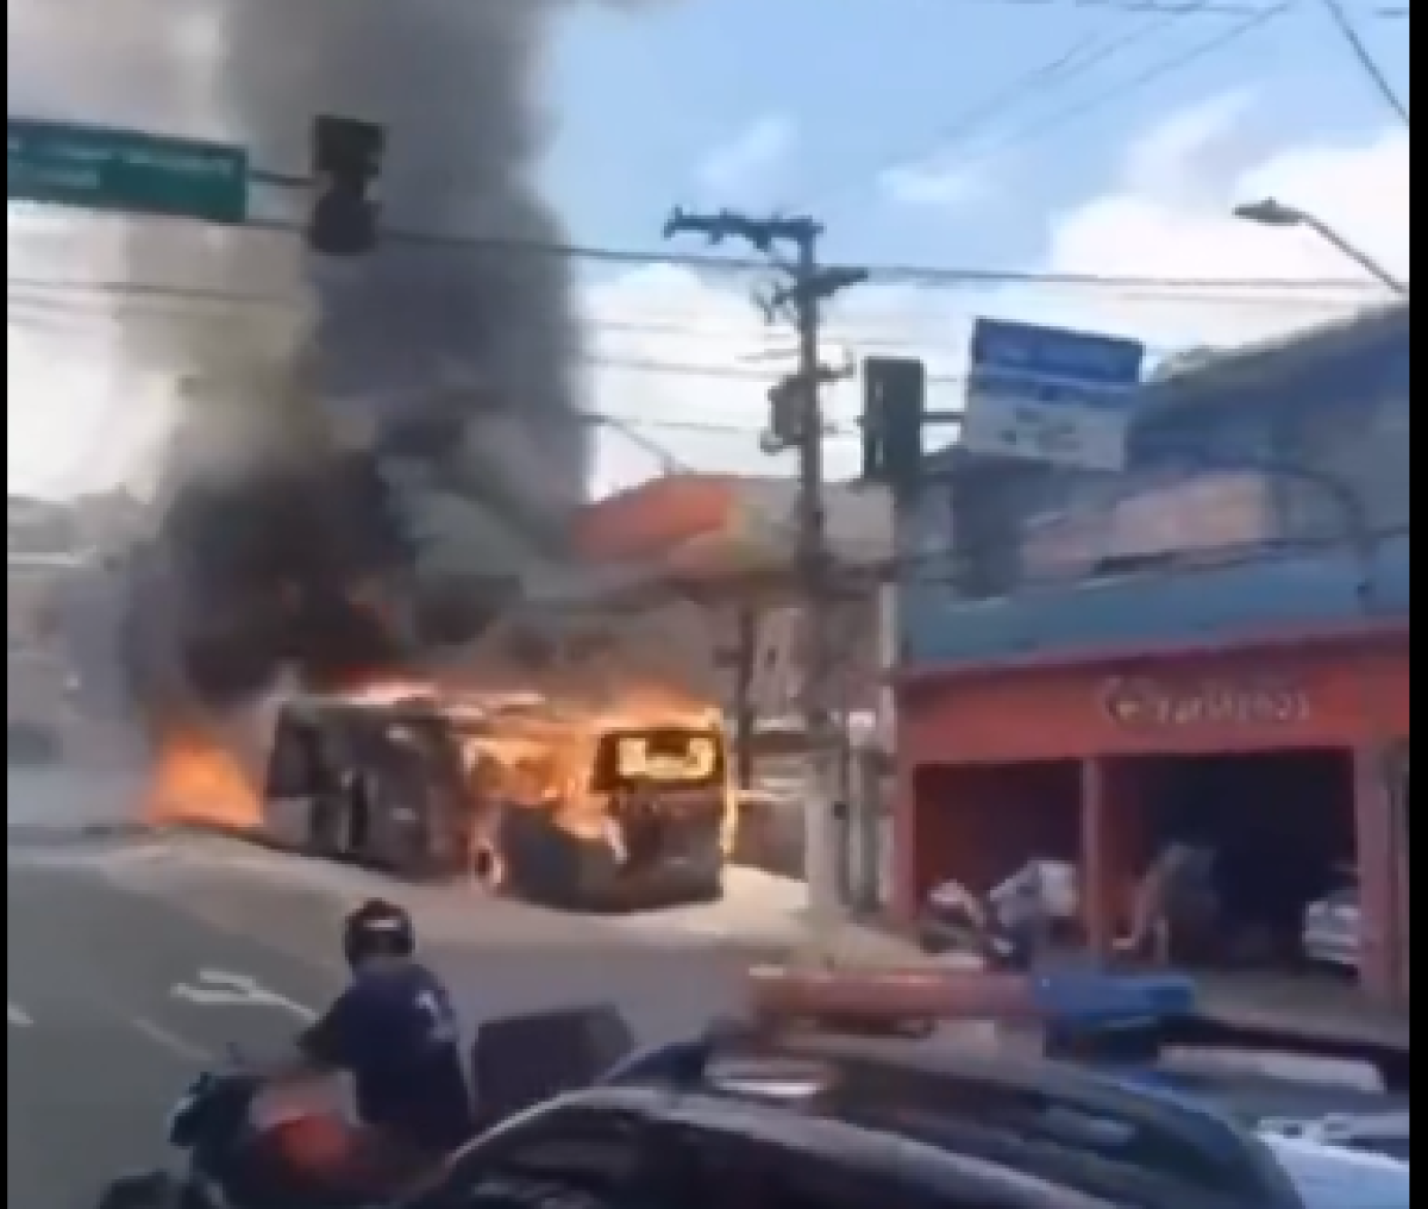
[449, 371]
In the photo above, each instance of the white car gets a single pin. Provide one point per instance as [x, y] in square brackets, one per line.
[1334, 1177]
[1332, 931]
[1387, 1134]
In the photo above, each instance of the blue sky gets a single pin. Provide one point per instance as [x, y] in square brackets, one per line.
[642, 99]
[922, 131]
[1021, 165]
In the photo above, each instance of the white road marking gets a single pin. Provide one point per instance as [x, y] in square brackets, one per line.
[171, 1041]
[17, 1017]
[220, 988]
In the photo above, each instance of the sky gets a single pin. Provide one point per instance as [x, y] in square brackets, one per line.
[1080, 137]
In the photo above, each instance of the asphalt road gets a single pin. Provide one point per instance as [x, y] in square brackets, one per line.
[99, 1044]
[133, 963]
[130, 968]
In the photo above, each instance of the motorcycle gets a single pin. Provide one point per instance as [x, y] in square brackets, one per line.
[244, 1152]
[233, 1160]
[956, 922]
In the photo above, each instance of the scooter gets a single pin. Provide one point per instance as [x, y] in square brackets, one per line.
[231, 1160]
[954, 920]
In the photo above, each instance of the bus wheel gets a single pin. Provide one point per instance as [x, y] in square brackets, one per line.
[486, 869]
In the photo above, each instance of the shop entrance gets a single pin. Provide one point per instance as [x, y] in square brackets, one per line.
[1249, 861]
[980, 824]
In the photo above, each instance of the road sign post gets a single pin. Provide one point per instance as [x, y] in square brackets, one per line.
[97, 168]
[1050, 395]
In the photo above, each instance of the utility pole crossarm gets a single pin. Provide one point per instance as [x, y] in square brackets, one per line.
[760, 233]
[798, 423]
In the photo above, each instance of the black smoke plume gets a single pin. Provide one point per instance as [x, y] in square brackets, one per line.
[409, 419]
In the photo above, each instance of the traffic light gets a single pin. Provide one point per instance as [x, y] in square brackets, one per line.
[894, 410]
[788, 414]
[346, 162]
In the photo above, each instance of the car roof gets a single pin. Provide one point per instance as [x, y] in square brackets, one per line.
[1069, 1126]
[845, 1144]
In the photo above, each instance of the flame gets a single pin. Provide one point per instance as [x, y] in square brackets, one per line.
[197, 779]
[200, 774]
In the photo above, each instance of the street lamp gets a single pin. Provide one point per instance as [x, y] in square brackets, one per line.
[669, 465]
[1271, 213]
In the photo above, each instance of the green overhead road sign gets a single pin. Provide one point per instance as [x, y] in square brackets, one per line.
[94, 168]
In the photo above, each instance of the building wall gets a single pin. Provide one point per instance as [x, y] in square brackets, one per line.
[975, 746]
[1232, 517]
[1285, 697]
[715, 532]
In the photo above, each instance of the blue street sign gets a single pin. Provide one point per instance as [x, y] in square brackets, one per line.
[1050, 395]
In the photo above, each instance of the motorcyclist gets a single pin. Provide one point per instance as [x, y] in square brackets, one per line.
[394, 1031]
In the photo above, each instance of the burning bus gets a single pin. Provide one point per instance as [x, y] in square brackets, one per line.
[610, 808]
[402, 717]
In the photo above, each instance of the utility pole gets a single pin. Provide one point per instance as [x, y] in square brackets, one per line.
[796, 422]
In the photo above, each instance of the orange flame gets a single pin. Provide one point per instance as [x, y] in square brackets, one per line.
[196, 779]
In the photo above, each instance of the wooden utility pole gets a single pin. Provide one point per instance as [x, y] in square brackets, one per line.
[796, 423]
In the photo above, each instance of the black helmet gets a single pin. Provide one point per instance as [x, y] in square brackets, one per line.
[377, 927]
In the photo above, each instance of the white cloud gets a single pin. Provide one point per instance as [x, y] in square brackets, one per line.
[1180, 155]
[932, 184]
[1167, 215]
[750, 157]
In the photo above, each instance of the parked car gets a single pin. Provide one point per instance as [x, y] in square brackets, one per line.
[1333, 927]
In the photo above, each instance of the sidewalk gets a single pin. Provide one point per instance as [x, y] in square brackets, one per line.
[765, 916]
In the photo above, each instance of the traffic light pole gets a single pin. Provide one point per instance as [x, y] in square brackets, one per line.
[806, 287]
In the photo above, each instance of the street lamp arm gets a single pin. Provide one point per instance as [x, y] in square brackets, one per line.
[668, 463]
[1361, 258]
[1270, 212]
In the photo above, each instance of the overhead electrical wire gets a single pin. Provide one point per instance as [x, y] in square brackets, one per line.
[1074, 63]
[906, 274]
[917, 274]
[1365, 59]
[1085, 53]
[613, 358]
[1093, 50]
[1161, 69]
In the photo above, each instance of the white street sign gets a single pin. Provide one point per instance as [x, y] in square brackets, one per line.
[1090, 438]
[1050, 395]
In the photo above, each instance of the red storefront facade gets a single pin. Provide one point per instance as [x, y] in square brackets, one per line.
[975, 743]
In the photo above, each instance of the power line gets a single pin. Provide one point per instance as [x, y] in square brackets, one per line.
[1080, 57]
[78, 301]
[1365, 59]
[1152, 74]
[727, 373]
[916, 274]
[1084, 54]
